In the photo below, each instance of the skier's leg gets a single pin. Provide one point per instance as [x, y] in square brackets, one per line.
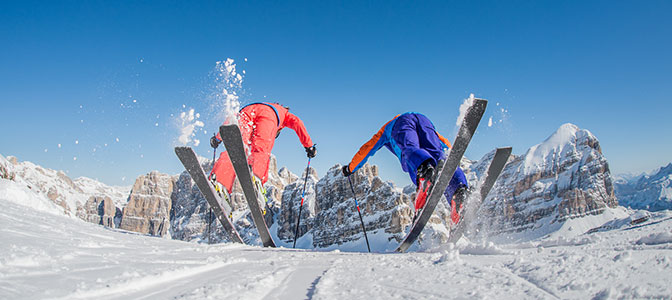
[428, 139]
[458, 181]
[223, 171]
[405, 135]
[457, 184]
[262, 140]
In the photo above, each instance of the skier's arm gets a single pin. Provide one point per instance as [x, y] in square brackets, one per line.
[444, 140]
[368, 149]
[293, 122]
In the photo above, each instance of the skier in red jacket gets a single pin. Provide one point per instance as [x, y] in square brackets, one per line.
[260, 124]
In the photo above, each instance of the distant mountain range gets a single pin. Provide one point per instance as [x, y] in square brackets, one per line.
[565, 177]
[651, 192]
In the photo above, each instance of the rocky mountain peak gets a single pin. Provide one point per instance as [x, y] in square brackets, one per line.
[566, 176]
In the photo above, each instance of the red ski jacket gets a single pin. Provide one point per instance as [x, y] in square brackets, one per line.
[263, 110]
[260, 124]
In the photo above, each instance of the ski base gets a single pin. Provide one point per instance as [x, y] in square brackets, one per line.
[446, 170]
[221, 209]
[472, 205]
[233, 141]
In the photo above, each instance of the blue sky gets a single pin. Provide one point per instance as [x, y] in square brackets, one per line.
[71, 70]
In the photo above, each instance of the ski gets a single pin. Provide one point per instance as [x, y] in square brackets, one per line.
[233, 141]
[220, 208]
[472, 205]
[445, 170]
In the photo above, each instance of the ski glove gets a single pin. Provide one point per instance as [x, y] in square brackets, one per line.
[311, 151]
[346, 171]
[214, 142]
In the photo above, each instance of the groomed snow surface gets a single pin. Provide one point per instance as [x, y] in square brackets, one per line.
[44, 255]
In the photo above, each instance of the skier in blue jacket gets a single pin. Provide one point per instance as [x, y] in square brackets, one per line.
[414, 140]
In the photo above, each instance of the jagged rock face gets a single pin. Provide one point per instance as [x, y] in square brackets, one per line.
[190, 210]
[149, 205]
[336, 220]
[649, 192]
[291, 202]
[564, 177]
[99, 210]
[190, 214]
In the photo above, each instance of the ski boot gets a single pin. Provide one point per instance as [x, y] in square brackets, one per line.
[261, 192]
[425, 177]
[457, 205]
[222, 192]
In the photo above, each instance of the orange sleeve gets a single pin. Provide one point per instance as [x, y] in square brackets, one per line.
[444, 140]
[368, 149]
[293, 122]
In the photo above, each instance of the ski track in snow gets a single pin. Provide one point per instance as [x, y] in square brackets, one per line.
[47, 256]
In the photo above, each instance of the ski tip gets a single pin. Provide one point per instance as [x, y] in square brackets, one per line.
[506, 150]
[180, 149]
[480, 102]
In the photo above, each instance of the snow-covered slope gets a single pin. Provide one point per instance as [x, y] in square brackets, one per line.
[48, 256]
[651, 192]
[71, 195]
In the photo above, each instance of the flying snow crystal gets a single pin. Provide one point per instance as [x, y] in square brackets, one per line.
[463, 109]
[156, 124]
[76, 142]
[490, 122]
[59, 145]
[227, 85]
[188, 127]
[46, 150]
[74, 158]
[117, 139]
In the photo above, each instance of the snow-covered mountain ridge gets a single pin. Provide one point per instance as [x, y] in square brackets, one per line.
[83, 197]
[651, 192]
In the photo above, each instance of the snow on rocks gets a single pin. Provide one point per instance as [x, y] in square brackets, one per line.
[565, 177]
[651, 192]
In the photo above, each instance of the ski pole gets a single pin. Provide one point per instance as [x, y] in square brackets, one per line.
[209, 232]
[296, 231]
[360, 214]
[214, 155]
